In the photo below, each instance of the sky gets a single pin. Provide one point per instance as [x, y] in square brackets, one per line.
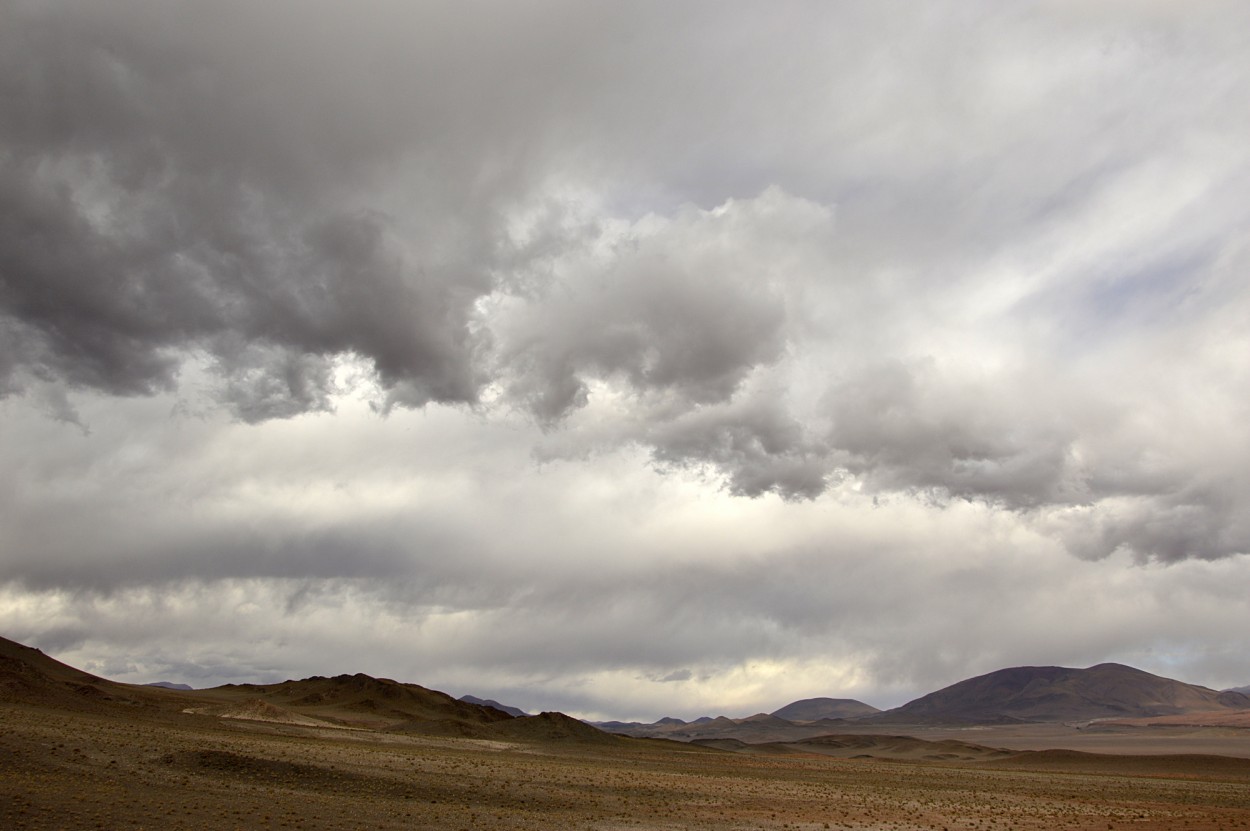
[627, 359]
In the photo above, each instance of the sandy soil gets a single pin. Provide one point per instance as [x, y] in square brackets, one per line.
[1238, 718]
[1097, 737]
[66, 770]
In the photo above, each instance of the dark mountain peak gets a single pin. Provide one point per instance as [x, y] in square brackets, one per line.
[617, 726]
[378, 698]
[490, 702]
[816, 709]
[1055, 694]
[29, 676]
[170, 685]
[1110, 670]
[1234, 699]
[1022, 675]
[551, 727]
[760, 718]
[21, 658]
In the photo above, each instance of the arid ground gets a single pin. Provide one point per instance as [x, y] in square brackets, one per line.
[169, 770]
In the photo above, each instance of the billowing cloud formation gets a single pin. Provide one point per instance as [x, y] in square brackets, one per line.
[286, 188]
[308, 283]
[684, 307]
[169, 190]
[687, 323]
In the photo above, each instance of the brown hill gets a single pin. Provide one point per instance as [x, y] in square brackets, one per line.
[362, 701]
[1060, 694]
[490, 702]
[1217, 718]
[27, 676]
[756, 729]
[546, 727]
[257, 710]
[815, 709]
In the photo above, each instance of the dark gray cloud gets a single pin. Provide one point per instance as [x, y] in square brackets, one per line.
[694, 331]
[906, 427]
[435, 194]
[626, 349]
[685, 318]
[840, 619]
[168, 190]
[756, 445]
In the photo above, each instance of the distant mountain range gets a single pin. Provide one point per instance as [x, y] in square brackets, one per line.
[490, 702]
[1015, 695]
[1060, 694]
[795, 721]
[759, 728]
[169, 685]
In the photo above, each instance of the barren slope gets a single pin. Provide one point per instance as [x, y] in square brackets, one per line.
[1058, 694]
[815, 709]
[27, 676]
[362, 701]
[117, 765]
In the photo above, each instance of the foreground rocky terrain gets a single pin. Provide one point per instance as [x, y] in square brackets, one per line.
[354, 752]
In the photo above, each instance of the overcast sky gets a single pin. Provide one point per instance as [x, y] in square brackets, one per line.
[630, 359]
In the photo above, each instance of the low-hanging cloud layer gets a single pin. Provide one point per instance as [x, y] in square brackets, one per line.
[627, 358]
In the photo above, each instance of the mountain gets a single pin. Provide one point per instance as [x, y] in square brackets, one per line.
[361, 701]
[815, 709]
[169, 685]
[30, 678]
[550, 727]
[759, 728]
[622, 727]
[1019, 694]
[794, 722]
[489, 702]
[27, 676]
[1243, 690]
[1059, 694]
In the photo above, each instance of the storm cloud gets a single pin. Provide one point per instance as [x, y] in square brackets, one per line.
[542, 312]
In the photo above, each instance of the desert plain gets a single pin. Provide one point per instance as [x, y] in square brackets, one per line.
[356, 752]
[158, 767]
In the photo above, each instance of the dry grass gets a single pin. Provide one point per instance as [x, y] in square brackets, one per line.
[61, 770]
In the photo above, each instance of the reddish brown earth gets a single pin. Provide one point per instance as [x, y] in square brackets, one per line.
[79, 752]
[1218, 718]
